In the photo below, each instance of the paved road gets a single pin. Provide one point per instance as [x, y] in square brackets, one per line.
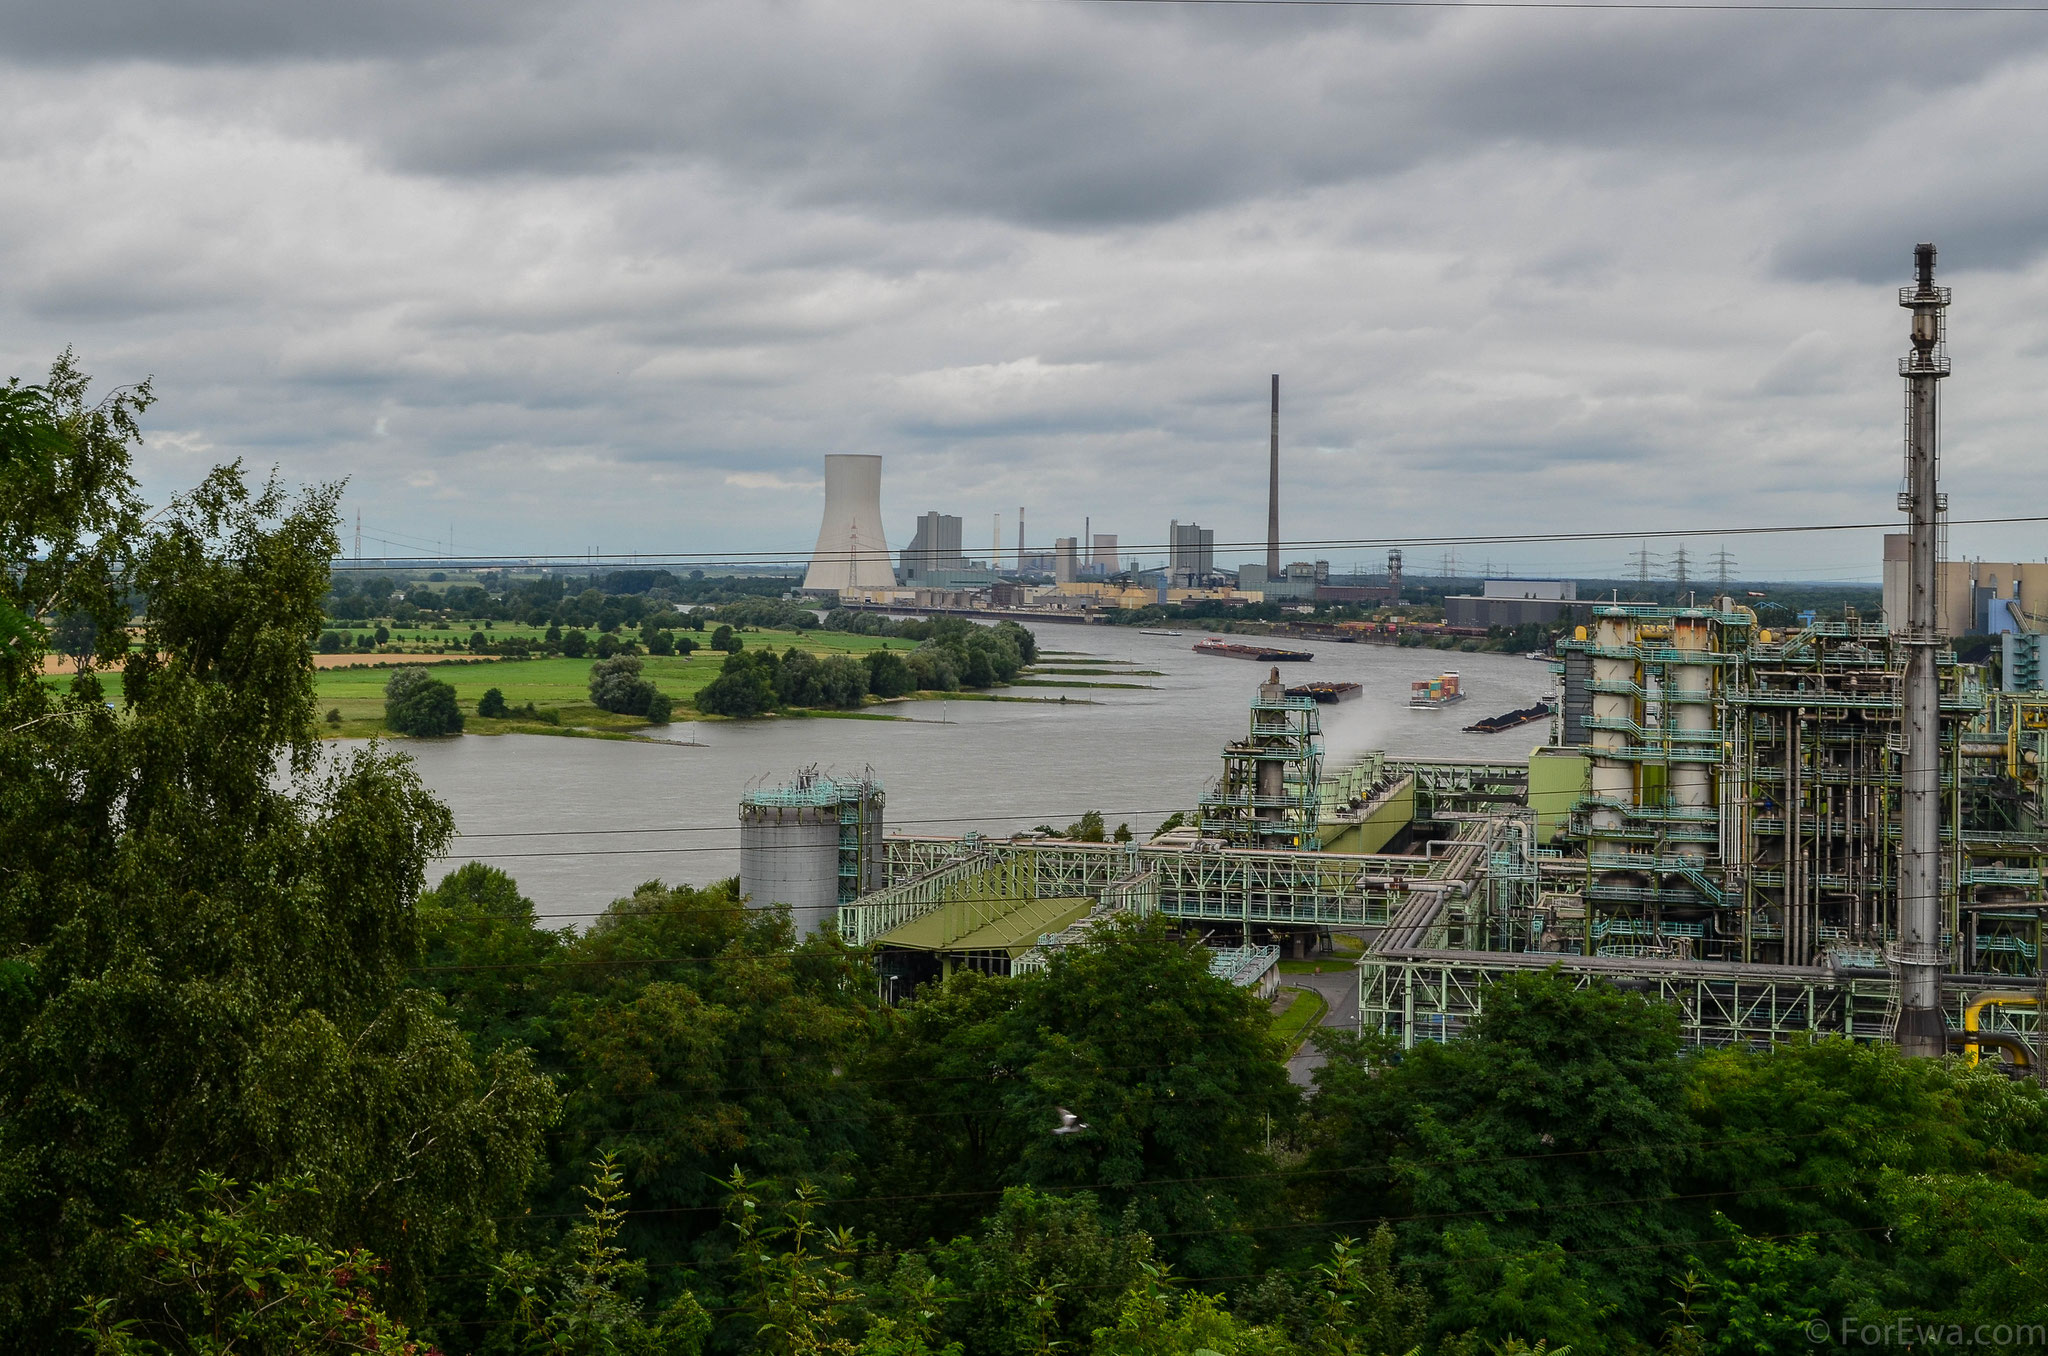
[1338, 984]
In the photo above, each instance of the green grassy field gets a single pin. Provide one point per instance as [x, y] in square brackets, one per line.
[560, 687]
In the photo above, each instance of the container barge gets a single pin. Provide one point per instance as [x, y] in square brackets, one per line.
[1234, 650]
[1328, 692]
[1431, 693]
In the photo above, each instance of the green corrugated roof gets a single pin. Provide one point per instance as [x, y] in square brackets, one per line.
[969, 926]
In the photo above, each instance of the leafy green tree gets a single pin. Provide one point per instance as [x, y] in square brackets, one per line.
[587, 1305]
[331, 642]
[1088, 828]
[1174, 1070]
[697, 1034]
[575, 644]
[616, 686]
[1123, 833]
[489, 959]
[1558, 1103]
[419, 704]
[660, 708]
[607, 645]
[724, 639]
[227, 1275]
[383, 635]
[745, 686]
[491, 706]
[554, 634]
[660, 642]
[888, 675]
[205, 924]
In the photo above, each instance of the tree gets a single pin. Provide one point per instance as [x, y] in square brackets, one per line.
[660, 642]
[229, 1269]
[491, 706]
[332, 641]
[888, 675]
[724, 639]
[575, 644]
[1174, 1070]
[417, 703]
[383, 635]
[1558, 1102]
[607, 645]
[660, 707]
[616, 686]
[1088, 828]
[207, 923]
[745, 687]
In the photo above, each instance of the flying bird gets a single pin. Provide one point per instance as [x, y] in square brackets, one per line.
[1070, 1124]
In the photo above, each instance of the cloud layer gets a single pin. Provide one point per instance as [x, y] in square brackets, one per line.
[614, 277]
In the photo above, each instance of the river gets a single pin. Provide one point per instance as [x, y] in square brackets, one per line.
[581, 822]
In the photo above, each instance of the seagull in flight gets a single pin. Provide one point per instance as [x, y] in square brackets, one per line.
[1070, 1124]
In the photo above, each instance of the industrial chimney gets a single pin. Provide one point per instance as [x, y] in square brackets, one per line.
[1273, 492]
[1919, 956]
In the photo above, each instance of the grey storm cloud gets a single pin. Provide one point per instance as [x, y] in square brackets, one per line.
[622, 272]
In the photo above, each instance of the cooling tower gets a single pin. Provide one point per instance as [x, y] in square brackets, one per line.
[851, 553]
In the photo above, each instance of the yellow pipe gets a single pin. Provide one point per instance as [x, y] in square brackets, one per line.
[1973, 1016]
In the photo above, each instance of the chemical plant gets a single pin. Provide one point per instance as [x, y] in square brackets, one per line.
[1831, 829]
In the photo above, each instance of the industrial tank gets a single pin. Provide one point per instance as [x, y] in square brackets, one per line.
[812, 844]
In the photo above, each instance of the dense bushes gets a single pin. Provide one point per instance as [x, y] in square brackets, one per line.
[745, 686]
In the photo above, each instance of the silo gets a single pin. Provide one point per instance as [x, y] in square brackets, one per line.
[812, 844]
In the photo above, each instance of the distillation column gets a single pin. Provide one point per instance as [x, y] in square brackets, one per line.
[1616, 685]
[1691, 698]
[1920, 957]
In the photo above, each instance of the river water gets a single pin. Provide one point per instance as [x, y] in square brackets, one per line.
[581, 822]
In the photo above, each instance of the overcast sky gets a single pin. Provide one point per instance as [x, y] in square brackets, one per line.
[561, 277]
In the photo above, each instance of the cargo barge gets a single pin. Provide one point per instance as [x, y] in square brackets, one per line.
[1525, 716]
[1234, 650]
[1431, 693]
[1328, 692]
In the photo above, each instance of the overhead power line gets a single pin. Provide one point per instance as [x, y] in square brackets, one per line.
[1630, 6]
[657, 559]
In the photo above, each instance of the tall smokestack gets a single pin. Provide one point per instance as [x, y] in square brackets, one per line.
[1273, 492]
[1920, 956]
[1020, 539]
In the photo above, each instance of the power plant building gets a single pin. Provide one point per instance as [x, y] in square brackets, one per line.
[1191, 553]
[852, 554]
[934, 547]
[1516, 602]
[1971, 597]
[1103, 554]
[813, 845]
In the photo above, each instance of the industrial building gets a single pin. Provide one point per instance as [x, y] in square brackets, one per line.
[1828, 829]
[852, 554]
[935, 547]
[1971, 597]
[1516, 602]
[1191, 554]
[1102, 554]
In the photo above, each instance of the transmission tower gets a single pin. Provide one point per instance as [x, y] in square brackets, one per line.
[1681, 570]
[1724, 569]
[1642, 562]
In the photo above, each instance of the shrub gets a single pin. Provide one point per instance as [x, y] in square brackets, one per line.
[575, 644]
[492, 704]
[659, 707]
[331, 642]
